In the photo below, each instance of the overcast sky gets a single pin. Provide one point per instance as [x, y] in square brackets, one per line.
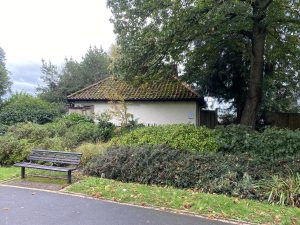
[52, 30]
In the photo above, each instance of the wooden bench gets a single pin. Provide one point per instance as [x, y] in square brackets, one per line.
[60, 161]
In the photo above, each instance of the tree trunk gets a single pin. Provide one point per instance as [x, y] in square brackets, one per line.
[255, 91]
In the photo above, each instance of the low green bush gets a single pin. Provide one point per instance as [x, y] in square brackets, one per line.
[75, 118]
[52, 143]
[214, 172]
[3, 129]
[57, 128]
[283, 191]
[184, 137]
[107, 129]
[90, 150]
[13, 150]
[32, 131]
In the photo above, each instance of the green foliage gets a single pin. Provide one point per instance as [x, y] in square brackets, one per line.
[64, 134]
[52, 143]
[235, 175]
[271, 143]
[90, 150]
[22, 107]
[13, 150]
[283, 191]
[82, 132]
[29, 130]
[3, 129]
[106, 130]
[185, 137]
[74, 75]
[5, 82]
[75, 118]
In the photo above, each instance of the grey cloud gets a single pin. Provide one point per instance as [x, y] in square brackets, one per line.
[25, 77]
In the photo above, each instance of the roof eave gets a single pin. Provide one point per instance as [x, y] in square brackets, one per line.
[138, 99]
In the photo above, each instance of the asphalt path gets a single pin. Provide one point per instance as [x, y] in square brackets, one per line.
[31, 207]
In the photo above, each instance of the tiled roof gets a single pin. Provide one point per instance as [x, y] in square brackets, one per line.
[116, 89]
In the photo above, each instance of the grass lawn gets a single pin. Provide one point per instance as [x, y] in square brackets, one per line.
[33, 175]
[9, 172]
[210, 205]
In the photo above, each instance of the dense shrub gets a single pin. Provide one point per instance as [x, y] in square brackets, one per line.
[90, 150]
[13, 150]
[271, 143]
[26, 108]
[278, 143]
[107, 129]
[3, 129]
[52, 143]
[213, 172]
[75, 118]
[32, 131]
[185, 137]
[82, 132]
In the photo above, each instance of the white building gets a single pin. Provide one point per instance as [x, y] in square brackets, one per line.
[166, 101]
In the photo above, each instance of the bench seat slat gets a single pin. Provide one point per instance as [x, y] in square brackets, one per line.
[56, 152]
[43, 167]
[54, 160]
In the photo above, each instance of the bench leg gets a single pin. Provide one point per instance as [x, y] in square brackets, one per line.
[70, 177]
[22, 172]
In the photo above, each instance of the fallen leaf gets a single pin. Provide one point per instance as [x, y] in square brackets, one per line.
[187, 206]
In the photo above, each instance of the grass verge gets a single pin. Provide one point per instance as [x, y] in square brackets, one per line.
[8, 173]
[210, 205]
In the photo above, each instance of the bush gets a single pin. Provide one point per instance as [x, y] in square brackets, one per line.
[13, 150]
[107, 130]
[26, 108]
[57, 128]
[75, 118]
[278, 143]
[83, 132]
[271, 144]
[90, 150]
[212, 172]
[52, 143]
[3, 129]
[184, 137]
[283, 191]
[32, 131]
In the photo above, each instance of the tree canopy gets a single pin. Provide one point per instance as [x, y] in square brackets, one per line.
[5, 82]
[73, 76]
[242, 51]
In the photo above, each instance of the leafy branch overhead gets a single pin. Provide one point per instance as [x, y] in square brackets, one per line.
[240, 51]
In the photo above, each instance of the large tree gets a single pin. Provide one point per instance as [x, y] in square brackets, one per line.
[74, 75]
[5, 82]
[238, 43]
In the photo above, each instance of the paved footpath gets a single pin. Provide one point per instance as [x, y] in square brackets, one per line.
[31, 207]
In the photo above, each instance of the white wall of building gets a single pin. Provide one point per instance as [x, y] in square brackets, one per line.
[153, 112]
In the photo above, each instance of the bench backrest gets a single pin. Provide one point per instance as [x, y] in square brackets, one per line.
[71, 158]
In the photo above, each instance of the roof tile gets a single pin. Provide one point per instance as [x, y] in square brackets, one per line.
[116, 89]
